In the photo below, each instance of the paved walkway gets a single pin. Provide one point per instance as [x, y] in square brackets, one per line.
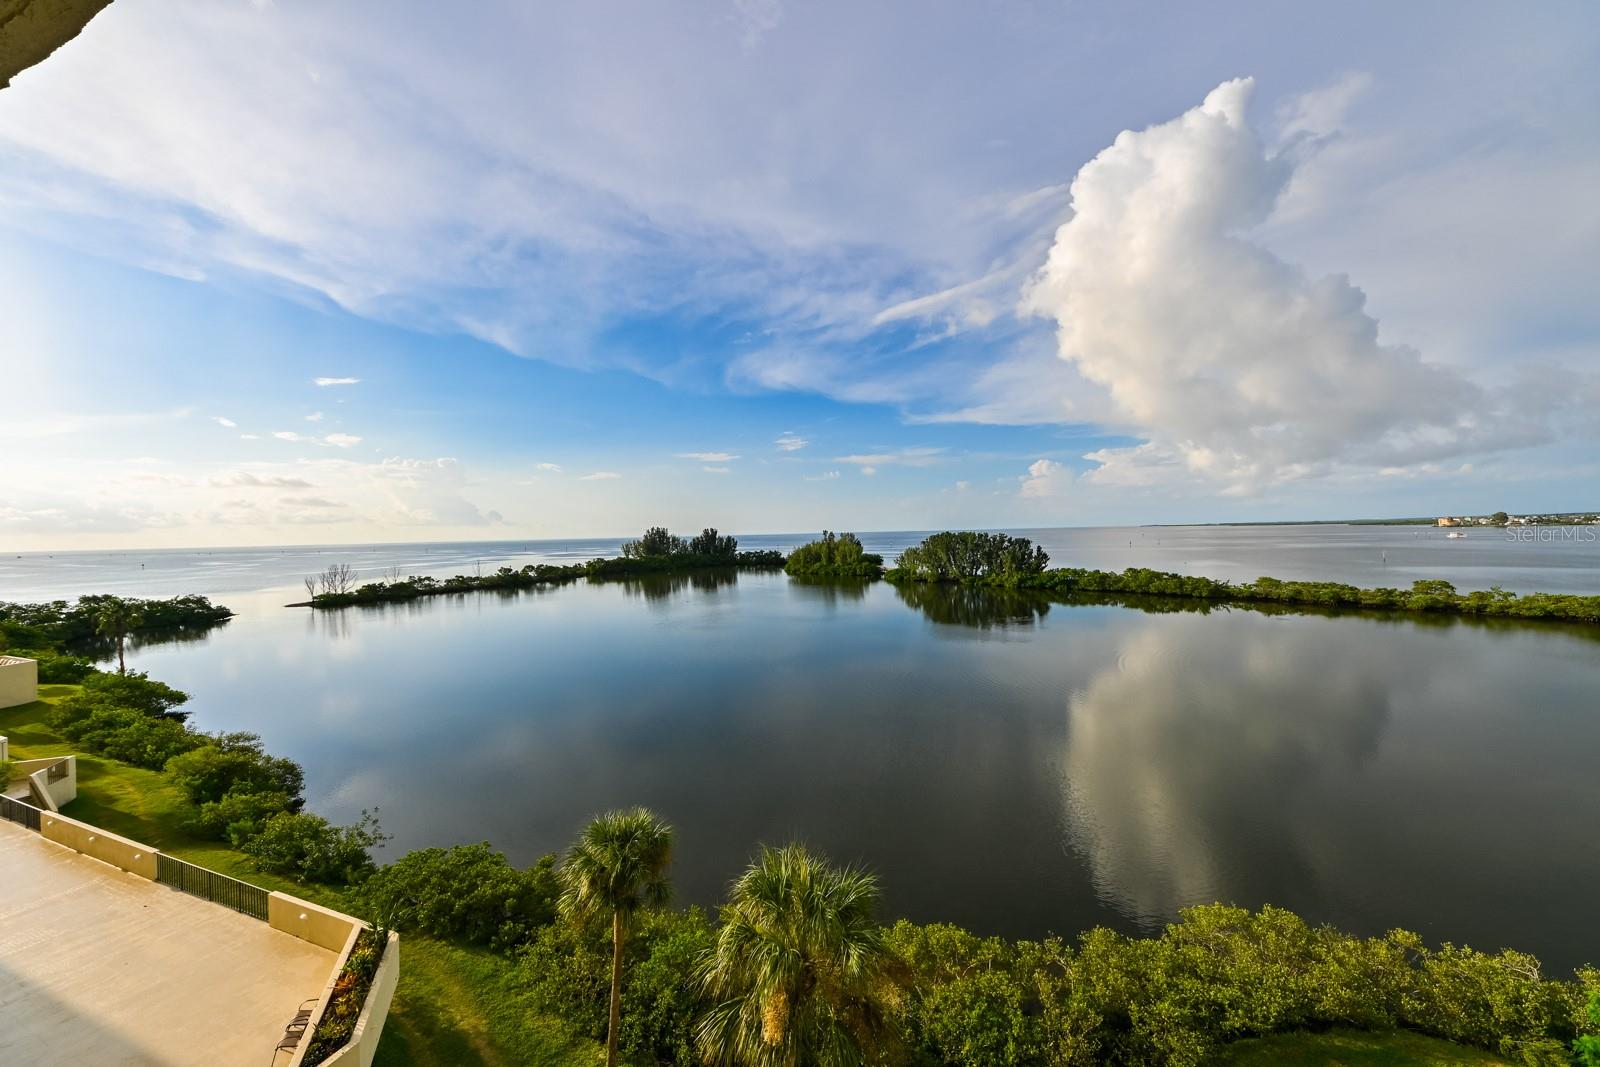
[98, 966]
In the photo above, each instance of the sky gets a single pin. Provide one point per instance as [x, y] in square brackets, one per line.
[285, 273]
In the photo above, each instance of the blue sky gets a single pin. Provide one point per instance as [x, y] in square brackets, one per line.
[772, 267]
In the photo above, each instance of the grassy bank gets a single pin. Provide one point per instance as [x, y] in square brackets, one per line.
[455, 1004]
[1353, 1048]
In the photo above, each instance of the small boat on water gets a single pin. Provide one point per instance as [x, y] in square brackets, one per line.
[1455, 535]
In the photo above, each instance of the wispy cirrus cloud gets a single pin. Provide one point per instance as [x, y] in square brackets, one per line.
[922, 456]
[324, 382]
[600, 476]
[790, 442]
[252, 480]
[332, 440]
[707, 457]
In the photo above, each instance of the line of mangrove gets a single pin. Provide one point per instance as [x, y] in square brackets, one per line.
[657, 552]
[974, 558]
[1016, 563]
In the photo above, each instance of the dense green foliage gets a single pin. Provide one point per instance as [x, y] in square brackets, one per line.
[566, 969]
[309, 848]
[969, 556]
[834, 556]
[60, 668]
[137, 691]
[656, 543]
[801, 969]
[234, 763]
[1586, 1047]
[237, 788]
[467, 893]
[1217, 975]
[504, 579]
[129, 717]
[1008, 562]
[774, 983]
[58, 631]
[708, 548]
[616, 870]
[658, 551]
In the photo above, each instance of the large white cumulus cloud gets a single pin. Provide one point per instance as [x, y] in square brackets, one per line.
[1233, 365]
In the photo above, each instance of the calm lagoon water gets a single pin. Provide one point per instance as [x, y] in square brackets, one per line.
[1004, 762]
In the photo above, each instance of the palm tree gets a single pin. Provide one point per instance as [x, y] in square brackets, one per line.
[115, 618]
[801, 972]
[617, 868]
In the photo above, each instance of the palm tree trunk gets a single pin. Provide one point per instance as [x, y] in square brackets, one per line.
[616, 989]
[122, 664]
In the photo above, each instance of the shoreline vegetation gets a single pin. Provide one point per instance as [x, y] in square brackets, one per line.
[657, 552]
[834, 556]
[1015, 563]
[967, 558]
[613, 964]
[65, 638]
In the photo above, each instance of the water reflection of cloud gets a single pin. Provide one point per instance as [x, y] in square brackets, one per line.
[1191, 759]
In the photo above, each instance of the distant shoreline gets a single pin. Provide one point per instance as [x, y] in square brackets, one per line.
[1566, 519]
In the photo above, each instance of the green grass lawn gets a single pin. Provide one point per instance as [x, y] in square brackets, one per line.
[1353, 1048]
[454, 1005]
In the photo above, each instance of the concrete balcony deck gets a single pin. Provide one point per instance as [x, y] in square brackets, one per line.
[101, 966]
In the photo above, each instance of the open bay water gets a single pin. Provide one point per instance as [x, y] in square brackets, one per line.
[1002, 761]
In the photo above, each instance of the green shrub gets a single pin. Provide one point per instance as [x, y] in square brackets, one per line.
[1586, 1046]
[658, 1006]
[234, 763]
[568, 972]
[968, 556]
[58, 626]
[834, 556]
[712, 546]
[566, 969]
[238, 817]
[58, 668]
[134, 692]
[466, 893]
[309, 848]
[655, 543]
[1499, 1002]
[1217, 975]
[128, 735]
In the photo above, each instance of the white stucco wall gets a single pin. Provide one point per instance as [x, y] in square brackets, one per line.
[19, 681]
